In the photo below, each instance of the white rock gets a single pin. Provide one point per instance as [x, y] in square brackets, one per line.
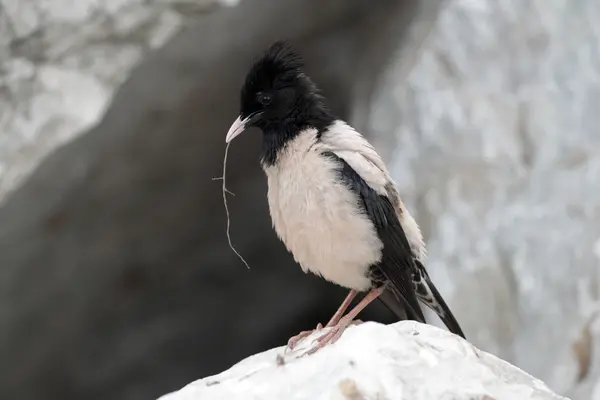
[406, 360]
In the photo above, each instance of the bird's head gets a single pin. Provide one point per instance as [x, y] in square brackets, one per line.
[277, 97]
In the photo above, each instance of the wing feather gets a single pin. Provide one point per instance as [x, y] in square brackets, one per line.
[354, 149]
[365, 173]
[397, 263]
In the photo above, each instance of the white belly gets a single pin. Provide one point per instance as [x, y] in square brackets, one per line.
[318, 220]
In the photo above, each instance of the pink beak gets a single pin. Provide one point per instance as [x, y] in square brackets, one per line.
[238, 126]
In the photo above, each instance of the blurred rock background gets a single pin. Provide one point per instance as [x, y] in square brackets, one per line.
[116, 280]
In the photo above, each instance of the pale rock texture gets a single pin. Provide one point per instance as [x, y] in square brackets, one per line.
[494, 141]
[403, 361]
[62, 60]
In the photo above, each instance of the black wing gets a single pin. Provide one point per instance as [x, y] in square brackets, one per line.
[396, 265]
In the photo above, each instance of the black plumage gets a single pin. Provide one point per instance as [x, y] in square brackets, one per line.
[331, 198]
[394, 269]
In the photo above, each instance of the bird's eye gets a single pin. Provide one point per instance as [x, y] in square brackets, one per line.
[264, 98]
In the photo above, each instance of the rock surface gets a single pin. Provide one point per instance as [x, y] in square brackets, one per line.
[494, 140]
[406, 360]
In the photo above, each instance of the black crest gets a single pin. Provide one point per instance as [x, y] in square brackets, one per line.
[278, 66]
[280, 99]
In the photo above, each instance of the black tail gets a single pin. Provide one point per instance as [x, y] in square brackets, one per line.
[429, 295]
[445, 315]
[399, 308]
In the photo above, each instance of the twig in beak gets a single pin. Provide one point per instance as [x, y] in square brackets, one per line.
[225, 191]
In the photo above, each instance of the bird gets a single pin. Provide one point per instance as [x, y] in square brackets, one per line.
[332, 200]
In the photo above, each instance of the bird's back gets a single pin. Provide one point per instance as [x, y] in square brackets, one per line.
[353, 148]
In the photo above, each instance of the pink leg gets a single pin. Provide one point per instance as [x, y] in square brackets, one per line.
[332, 322]
[340, 312]
[334, 334]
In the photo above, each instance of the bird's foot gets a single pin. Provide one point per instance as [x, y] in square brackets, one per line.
[333, 335]
[294, 340]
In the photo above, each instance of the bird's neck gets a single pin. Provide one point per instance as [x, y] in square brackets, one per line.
[275, 139]
[278, 134]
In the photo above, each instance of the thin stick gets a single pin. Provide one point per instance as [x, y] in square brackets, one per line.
[225, 191]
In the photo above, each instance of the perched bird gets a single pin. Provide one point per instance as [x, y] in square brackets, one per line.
[331, 198]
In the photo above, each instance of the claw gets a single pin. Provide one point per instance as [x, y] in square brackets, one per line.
[294, 340]
[339, 327]
[332, 336]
